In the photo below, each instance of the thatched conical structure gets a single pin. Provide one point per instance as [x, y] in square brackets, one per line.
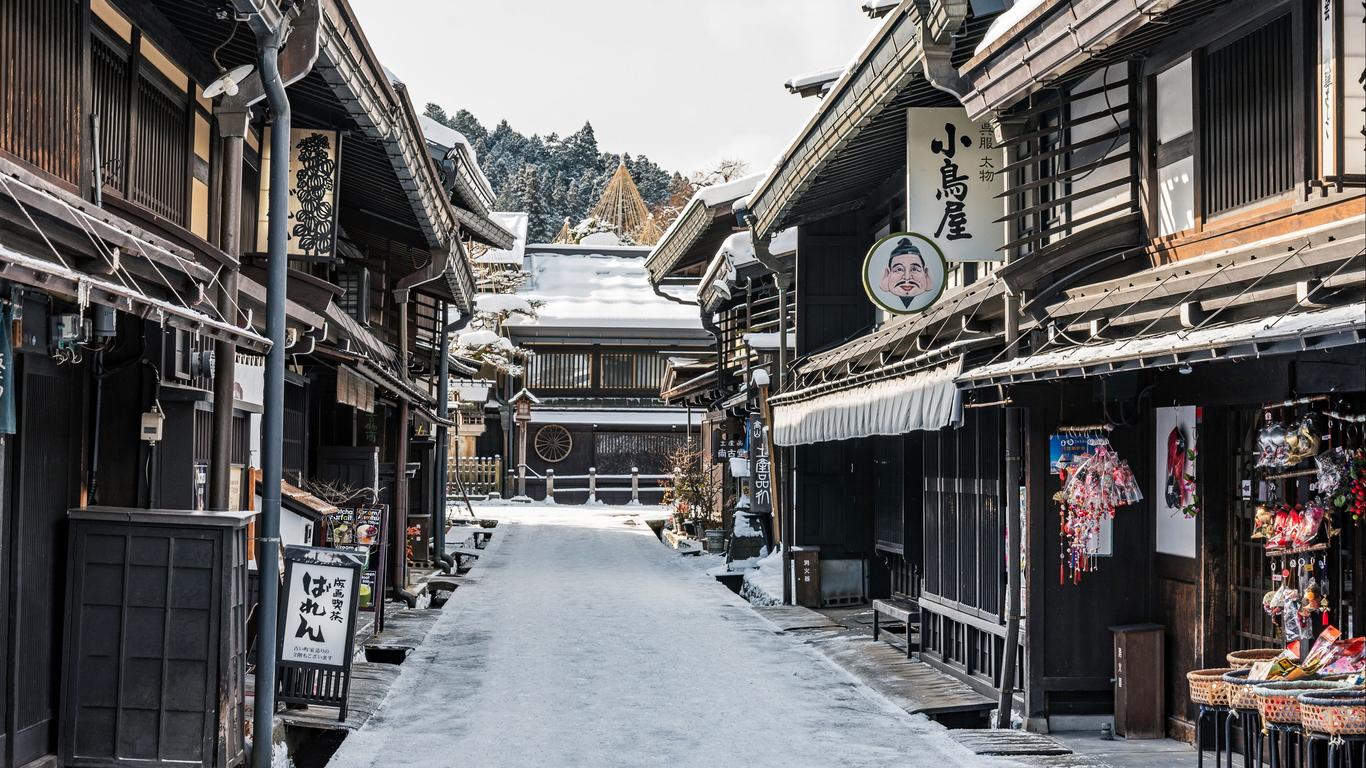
[649, 232]
[564, 235]
[622, 207]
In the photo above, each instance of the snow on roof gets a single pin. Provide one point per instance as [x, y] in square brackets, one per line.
[516, 223]
[738, 249]
[1002, 24]
[600, 238]
[875, 8]
[810, 79]
[443, 135]
[481, 338]
[783, 242]
[501, 302]
[730, 190]
[578, 288]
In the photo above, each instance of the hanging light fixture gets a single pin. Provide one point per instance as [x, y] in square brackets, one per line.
[228, 79]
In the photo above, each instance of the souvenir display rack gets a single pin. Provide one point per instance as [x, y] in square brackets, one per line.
[1310, 481]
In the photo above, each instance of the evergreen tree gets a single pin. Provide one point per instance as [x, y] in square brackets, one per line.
[553, 177]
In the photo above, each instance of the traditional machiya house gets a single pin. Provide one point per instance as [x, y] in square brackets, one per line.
[599, 344]
[1184, 236]
[1168, 275]
[132, 265]
[738, 306]
[889, 488]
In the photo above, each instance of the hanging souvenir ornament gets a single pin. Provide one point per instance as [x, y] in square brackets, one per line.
[1094, 486]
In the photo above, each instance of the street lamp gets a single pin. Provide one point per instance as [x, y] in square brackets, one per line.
[521, 403]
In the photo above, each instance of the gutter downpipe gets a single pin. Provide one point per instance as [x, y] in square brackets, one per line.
[443, 392]
[232, 126]
[782, 280]
[1011, 301]
[398, 515]
[272, 427]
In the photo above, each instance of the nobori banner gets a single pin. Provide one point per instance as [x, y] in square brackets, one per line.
[951, 184]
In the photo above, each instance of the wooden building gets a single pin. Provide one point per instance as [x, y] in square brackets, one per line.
[599, 345]
[131, 263]
[1175, 234]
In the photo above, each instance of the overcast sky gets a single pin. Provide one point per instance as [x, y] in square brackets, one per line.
[686, 82]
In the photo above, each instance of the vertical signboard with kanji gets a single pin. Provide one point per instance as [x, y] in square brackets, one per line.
[317, 626]
[951, 185]
[760, 468]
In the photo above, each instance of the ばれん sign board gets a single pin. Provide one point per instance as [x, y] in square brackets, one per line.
[317, 625]
[904, 273]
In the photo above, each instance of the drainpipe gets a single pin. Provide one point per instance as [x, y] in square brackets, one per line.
[1013, 449]
[232, 126]
[785, 513]
[272, 421]
[398, 518]
[443, 392]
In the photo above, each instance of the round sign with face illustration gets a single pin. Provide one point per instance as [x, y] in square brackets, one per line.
[904, 273]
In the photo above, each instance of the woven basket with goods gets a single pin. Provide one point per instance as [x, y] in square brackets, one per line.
[1240, 687]
[1241, 659]
[1336, 713]
[1279, 701]
[1207, 686]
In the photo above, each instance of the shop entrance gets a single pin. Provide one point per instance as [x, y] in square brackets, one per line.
[46, 464]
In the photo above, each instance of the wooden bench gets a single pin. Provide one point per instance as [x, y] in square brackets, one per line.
[901, 610]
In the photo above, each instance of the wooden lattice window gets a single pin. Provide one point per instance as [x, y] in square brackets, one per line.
[40, 80]
[109, 76]
[560, 370]
[160, 171]
[632, 370]
[1249, 116]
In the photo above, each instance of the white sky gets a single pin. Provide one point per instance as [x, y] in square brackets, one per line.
[686, 82]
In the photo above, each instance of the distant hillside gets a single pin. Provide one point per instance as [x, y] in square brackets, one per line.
[551, 177]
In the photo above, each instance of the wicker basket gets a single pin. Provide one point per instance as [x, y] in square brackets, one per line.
[1336, 713]
[1278, 700]
[1207, 686]
[1240, 689]
[1242, 659]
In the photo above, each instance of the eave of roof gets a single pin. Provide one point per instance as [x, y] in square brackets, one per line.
[704, 218]
[886, 68]
[1065, 38]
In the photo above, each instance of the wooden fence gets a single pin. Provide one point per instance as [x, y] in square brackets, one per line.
[634, 488]
[480, 475]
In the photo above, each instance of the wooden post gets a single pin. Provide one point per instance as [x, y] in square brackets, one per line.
[635, 485]
[497, 484]
[521, 462]
[550, 486]
[592, 485]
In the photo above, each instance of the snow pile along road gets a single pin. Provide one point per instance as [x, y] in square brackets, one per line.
[586, 642]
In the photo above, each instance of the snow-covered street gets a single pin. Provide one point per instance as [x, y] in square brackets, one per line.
[584, 641]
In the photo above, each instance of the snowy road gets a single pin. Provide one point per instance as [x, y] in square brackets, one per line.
[586, 642]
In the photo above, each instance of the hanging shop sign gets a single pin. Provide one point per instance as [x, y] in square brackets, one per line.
[1328, 89]
[726, 445]
[951, 188]
[317, 625]
[1094, 484]
[315, 171]
[355, 390]
[904, 273]
[760, 467]
[1175, 490]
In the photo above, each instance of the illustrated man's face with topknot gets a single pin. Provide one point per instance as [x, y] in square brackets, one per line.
[905, 276]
